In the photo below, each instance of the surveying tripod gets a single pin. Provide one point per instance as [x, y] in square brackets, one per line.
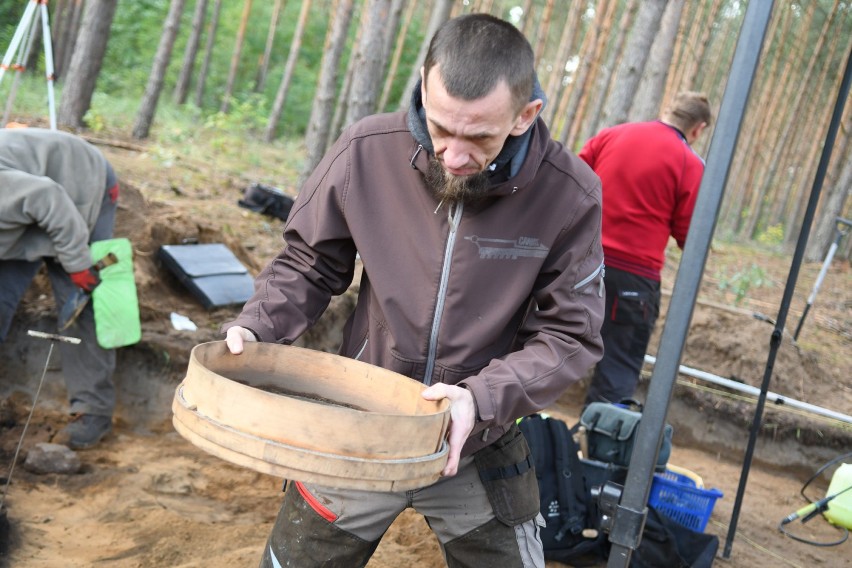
[25, 34]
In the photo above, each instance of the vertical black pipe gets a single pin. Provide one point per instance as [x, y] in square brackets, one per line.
[775, 340]
[629, 517]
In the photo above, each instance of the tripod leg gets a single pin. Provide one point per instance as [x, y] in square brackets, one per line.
[20, 66]
[48, 64]
[26, 19]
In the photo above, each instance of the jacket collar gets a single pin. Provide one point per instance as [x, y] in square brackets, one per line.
[508, 162]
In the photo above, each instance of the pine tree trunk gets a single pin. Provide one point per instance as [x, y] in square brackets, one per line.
[701, 47]
[343, 97]
[483, 6]
[284, 87]
[795, 107]
[368, 69]
[578, 86]
[837, 188]
[649, 95]
[755, 124]
[555, 89]
[604, 77]
[440, 13]
[717, 78]
[776, 117]
[836, 199]
[397, 54]
[208, 53]
[86, 62]
[527, 20]
[617, 107]
[316, 138]
[57, 19]
[235, 57]
[819, 128]
[191, 51]
[263, 68]
[541, 32]
[685, 48]
[145, 116]
[391, 31]
[71, 28]
[578, 112]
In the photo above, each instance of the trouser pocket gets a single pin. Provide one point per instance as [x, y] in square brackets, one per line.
[633, 307]
[506, 470]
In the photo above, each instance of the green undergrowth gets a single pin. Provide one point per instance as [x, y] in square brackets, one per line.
[205, 141]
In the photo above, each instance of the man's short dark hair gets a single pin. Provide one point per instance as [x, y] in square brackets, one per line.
[474, 52]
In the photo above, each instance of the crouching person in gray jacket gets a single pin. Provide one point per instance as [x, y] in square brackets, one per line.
[58, 193]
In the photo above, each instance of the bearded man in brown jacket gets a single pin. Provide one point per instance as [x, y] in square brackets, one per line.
[480, 242]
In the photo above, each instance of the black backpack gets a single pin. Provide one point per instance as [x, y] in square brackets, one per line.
[266, 199]
[668, 543]
[572, 534]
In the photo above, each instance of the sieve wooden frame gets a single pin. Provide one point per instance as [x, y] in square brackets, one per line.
[228, 406]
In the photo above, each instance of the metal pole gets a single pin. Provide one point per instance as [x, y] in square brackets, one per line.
[775, 340]
[25, 29]
[53, 338]
[839, 233]
[48, 64]
[773, 397]
[17, 37]
[23, 56]
[629, 516]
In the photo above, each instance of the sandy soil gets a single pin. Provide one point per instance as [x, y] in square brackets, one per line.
[145, 497]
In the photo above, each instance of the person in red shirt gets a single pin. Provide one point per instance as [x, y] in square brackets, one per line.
[650, 177]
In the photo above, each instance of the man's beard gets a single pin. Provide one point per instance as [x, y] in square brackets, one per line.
[452, 189]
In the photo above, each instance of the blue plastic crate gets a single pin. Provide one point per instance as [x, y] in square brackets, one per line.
[677, 497]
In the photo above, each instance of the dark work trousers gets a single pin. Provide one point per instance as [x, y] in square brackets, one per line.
[632, 307]
[87, 368]
[335, 528]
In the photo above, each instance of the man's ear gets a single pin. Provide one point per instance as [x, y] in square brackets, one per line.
[526, 117]
[696, 132]
[422, 84]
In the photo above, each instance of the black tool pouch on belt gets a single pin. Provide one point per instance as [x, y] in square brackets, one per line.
[611, 431]
[506, 470]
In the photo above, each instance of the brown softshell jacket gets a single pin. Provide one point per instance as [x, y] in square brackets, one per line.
[504, 298]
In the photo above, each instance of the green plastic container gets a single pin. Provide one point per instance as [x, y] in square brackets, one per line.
[839, 510]
[114, 299]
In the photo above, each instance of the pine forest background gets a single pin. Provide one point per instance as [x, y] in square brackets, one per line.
[293, 73]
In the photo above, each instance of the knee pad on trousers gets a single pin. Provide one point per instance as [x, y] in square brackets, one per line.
[301, 537]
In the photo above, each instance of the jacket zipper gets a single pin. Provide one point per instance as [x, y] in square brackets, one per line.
[455, 219]
[361, 351]
[590, 277]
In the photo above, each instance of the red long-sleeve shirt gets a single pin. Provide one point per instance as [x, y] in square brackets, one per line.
[650, 180]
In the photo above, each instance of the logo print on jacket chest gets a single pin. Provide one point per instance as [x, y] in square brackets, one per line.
[506, 249]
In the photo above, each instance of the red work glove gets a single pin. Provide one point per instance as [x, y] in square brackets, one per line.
[86, 279]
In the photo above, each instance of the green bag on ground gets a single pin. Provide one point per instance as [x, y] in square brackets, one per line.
[114, 299]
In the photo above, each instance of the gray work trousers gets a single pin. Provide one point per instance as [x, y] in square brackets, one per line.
[338, 528]
[87, 368]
